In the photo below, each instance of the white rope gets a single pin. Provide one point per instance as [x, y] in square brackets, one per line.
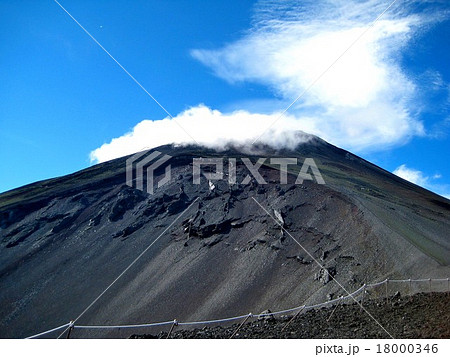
[206, 322]
[320, 265]
[282, 311]
[49, 331]
[131, 264]
[213, 321]
[309, 307]
[240, 317]
[124, 326]
[349, 296]
[413, 280]
[377, 284]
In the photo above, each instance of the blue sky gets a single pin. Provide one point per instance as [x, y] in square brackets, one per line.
[223, 70]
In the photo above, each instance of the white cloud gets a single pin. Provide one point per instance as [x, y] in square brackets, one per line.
[364, 102]
[290, 56]
[411, 175]
[208, 127]
[419, 178]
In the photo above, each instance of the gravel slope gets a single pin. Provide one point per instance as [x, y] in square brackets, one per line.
[424, 315]
[64, 240]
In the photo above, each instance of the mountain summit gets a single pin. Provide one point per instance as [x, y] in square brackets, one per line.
[64, 240]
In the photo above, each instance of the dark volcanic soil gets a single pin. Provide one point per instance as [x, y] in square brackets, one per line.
[424, 315]
[63, 241]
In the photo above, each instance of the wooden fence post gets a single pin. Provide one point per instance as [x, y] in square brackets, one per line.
[175, 323]
[71, 325]
[242, 324]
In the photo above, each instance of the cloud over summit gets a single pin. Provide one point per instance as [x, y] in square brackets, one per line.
[365, 101]
[208, 127]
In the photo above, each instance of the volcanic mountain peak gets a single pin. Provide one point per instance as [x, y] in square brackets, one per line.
[64, 240]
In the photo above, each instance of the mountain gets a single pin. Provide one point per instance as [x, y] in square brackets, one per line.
[64, 240]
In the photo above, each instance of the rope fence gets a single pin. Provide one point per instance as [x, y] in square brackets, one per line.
[49, 331]
[360, 291]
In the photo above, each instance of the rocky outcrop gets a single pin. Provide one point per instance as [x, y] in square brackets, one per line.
[126, 200]
[63, 241]
[325, 275]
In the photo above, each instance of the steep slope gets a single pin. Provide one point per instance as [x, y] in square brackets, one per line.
[63, 241]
